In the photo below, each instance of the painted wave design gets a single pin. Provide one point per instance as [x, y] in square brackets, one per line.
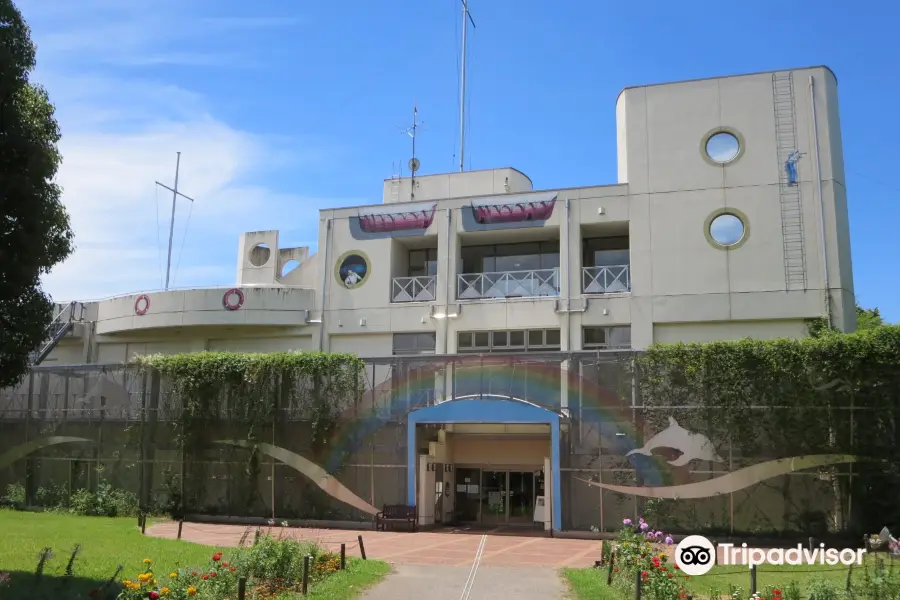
[329, 484]
[23, 450]
[730, 482]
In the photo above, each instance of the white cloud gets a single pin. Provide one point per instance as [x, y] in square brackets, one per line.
[121, 133]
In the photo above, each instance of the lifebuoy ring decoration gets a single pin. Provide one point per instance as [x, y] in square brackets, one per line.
[142, 305]
[229, 297]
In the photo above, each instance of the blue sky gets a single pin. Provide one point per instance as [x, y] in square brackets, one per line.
[281, 108]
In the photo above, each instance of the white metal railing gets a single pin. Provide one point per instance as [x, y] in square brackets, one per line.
[508, 284]
[606, 280]
[414, 289]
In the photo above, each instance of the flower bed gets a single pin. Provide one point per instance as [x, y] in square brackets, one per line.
[273, 567]
[645, 553]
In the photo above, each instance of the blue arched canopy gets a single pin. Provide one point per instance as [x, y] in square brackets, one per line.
[487, 408]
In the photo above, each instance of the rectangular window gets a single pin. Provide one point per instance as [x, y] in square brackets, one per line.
[605, 252]
[596, 338]
[530, 256]
[415, 343]
[422, 262]
[529, 340]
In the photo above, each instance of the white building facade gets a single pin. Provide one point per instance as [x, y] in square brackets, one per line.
[729, 220]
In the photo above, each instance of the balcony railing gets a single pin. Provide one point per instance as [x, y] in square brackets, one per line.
[414, 289]
[508, 284]
[606, 280]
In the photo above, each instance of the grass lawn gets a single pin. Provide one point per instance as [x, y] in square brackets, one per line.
[107, 543]
[590, 584]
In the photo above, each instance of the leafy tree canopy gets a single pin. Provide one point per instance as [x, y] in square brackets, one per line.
[34, 226]
[867, 318]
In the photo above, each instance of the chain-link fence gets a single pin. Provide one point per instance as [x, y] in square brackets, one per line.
[71, 428]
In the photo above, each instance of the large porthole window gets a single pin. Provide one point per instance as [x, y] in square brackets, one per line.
[722, 146]
[726, 229]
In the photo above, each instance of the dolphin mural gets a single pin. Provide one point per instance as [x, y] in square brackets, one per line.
[693, 446]
[730, 482]
[27, 448]
[329, 484]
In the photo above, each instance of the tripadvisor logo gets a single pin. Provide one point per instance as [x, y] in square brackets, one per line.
[696, 555]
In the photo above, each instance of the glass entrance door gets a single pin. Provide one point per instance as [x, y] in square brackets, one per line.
[521, 497]
[494, 486]
[496, 497]
[466, 498]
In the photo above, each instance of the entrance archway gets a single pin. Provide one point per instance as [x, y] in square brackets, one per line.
[488, 409]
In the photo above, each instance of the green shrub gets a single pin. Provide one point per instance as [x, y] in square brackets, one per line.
[15, 496]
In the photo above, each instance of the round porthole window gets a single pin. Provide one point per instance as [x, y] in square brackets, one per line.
[727, 230]
[723, 147]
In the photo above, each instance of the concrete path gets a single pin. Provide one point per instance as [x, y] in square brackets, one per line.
[477, 582]
[415, 582]
[451, 548]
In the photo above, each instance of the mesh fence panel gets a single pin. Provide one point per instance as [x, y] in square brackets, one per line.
[70, 428]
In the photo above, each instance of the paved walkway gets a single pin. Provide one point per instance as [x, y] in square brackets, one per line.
[447, 565]
[448, 548]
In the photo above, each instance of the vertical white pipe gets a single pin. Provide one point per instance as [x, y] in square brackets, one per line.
[324, 283]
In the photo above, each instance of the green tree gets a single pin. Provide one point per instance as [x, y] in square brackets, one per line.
[867, 318]
[34, 226]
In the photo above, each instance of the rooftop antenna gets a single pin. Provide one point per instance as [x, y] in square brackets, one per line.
[175, 194]
[466, 19]
[414, 163]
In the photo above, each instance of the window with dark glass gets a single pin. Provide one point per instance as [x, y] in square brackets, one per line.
[594, 338]
[415, 343]
[605, 251]
[422, 262]
[530, 256]
[521, 340]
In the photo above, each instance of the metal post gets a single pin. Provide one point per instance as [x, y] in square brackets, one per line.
[637, 585]
[362, 548]
[466, 19]
[242, 588]
[172, 220]
[609, 571]
[143, 523]
[305, 584]
[343, 556]
[752, 579]
[180, 525]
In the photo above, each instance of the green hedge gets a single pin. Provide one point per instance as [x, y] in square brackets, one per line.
[835, 393]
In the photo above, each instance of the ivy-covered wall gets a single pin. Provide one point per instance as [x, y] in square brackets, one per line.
[830, 394]
[250, 398]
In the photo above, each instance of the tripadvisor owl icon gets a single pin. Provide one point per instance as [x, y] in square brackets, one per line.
[695, 555]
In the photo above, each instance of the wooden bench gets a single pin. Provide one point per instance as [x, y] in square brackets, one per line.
[394, 514]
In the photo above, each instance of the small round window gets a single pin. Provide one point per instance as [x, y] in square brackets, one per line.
[722, 147]
[726, 230]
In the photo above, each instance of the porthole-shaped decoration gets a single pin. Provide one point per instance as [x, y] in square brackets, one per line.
[233, 299]
[352, 269]
[722, 146]
[142, 305]
[726, 229]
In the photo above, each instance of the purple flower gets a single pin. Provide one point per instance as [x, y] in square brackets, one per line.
[651, 534]
[644, 526]
[626, 522]
[669, 539]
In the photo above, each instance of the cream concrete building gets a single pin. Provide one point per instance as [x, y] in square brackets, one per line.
[729, 220]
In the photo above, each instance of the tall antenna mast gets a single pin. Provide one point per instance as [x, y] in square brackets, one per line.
[466, 19]
[175, 194]
[413, 161]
